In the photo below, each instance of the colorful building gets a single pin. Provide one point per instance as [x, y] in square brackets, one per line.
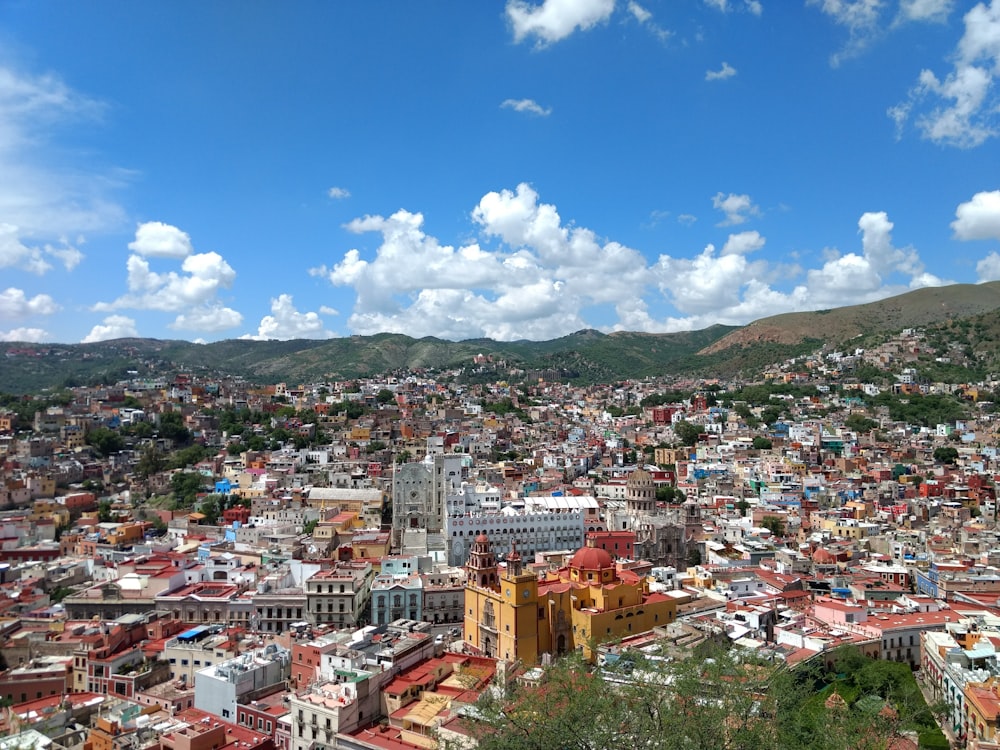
[511, 613]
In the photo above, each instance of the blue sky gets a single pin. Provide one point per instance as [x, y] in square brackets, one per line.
[219, 170]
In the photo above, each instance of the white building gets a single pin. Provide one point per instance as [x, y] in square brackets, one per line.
[542, 525]
[217, 689]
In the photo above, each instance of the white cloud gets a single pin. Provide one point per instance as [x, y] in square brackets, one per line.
[30, 335]
[535, 286]
[113, 327]
[988, 269]
[338, 193]
[529, 106]
[751, 6]
[861, 18]
[638, 12]
[555, 20]
[737, 208]
[207, 318]
[925, 10]
[979, 218]
[537, 277]
[42, 204]
[686, 219]
[154, 239]
[193, 292]
[743, 243]
[14, 304]
[645, 19]
[726, 71]
[35, 258]
[325, 310]
[963, 105]
[285, 322]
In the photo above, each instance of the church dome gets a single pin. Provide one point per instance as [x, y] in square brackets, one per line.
[639, 479]
[823, 557]
[591, 558]
[482, 538]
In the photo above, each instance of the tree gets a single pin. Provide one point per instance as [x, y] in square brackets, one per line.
[775, 524]
[762, 443]
[186, 485]
[860, 423]
[945, 454]
[385, 396]
[172, 427]
[105, 441]
[211, 507]
[715, 700]
[686, 432]
[104, 514]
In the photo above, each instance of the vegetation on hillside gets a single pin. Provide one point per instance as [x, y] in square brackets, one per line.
[713, 700]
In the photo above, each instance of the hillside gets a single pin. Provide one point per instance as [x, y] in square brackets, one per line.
[921, 307]
[966, 313]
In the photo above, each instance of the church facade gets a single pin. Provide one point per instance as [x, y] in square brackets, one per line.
[511, 613]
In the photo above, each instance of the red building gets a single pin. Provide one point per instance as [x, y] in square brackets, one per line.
[236, 513]
[618, 544]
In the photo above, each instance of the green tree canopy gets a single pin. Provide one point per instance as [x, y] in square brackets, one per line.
[945, 454]
[105, 441]
[686, 432]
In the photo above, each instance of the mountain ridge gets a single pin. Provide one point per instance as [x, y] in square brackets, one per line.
[584, 355]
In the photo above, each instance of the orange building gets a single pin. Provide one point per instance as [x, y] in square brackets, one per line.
[514, 614]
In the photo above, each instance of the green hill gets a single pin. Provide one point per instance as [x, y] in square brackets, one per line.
[966, 314]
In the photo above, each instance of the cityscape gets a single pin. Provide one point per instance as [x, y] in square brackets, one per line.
[367, 563]
[533, 375]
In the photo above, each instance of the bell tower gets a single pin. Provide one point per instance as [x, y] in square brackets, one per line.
[481, 570]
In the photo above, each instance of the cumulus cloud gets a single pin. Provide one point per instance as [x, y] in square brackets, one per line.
[528, 106]
[338, 193]
[15, 304]
[959, 109]
[154, 239]
[988, 269]
[537, 277]
[325, 310]
[285, 322]
[743, 243]
[193, 292]
[979, 218]
[686, 219]
[28, 335]
[535, 286]
[207, 318]
[737, 208]
[555, 20]
[726, 71]
[113, 327]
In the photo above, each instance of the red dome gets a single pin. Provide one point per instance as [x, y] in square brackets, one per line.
[482, 538]
[591, 558]
[823, 557]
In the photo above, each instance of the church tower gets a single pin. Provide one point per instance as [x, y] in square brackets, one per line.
[481, 570]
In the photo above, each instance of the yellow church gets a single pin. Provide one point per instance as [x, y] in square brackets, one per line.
[513, 614]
